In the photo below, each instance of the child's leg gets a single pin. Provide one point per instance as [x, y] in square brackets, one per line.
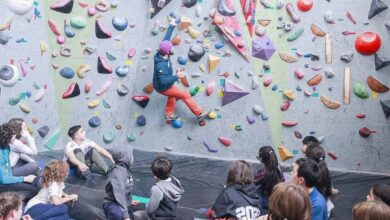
[171, 105]
[177, 93]
[95, 157]
[25, 169]
[80, 157]
[113, 211]
[48, 211]
[140, 215]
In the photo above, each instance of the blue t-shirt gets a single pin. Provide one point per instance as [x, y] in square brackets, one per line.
[319, 211]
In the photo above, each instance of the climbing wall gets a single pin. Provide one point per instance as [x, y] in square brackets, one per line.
[268, 77]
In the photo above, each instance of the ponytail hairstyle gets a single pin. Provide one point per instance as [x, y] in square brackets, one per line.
[315, 152]
[268, 157]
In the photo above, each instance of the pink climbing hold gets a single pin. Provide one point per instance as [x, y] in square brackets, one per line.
[285, 106]
[360, 116]
[105, 86]
[210, 88]
[23, 67]
[131, 53]
[88, 86]
[350, 17]
[289, 123]
[267, 80]
[293, 14]
[299, 73]
[54, 27]
[365, 132]
[91, 11]
[225, 140]
[60, 39]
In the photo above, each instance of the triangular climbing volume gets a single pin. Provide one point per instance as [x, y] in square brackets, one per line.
[226, 20]
[232, 92]
[157, 6]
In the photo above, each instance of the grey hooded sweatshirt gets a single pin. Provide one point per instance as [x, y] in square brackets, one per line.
[164, 196]
[120, 182]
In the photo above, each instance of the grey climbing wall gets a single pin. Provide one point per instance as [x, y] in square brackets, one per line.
[339, 127]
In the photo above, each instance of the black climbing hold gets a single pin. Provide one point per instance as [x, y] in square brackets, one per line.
[43, 131]
[189, 3]
[141, 100]
[377, 6]
[141, 120]
[224, 10]
[381, 61]
[122, 90]
[72, 91]
[102, 66]
[196, 52]
[386, 107]
[63, 6]
[157, 9]
[100, 31]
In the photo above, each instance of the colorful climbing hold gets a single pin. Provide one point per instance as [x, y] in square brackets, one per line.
[67, 72]
[365, 132]
[225, 140]
[376, 86]
[141, 120]
[298, 32]
[177, 123]
[78, 22]
[360, 91]
[109, 137]
[368, 43]
[72, 91]
[120, 23]
[284, 153]
[94, 122]
[304, 5]
[141, 100]
[210, 148]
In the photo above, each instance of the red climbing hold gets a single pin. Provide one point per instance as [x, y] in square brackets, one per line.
[289, 123]
[360, 116]
[72, 91]
[332, 155]
[304, 5]
[141, 100]
[365, 132]
[368, 43]
[225, 141]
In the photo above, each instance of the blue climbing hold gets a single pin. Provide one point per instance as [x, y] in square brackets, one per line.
[298, 88]
[120, 23]
[177, 123]
[219, 45]
[94, 122]
[275, 87]
[237, 33]
[122, 71]
[67, 72]
[182, 60]
[141, 120]
[264, 116]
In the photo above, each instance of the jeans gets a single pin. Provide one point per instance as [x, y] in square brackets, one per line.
[25, 189]
[112, 211]
[48, 212]
[25, 169]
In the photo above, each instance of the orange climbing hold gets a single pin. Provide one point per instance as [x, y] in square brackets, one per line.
[284, 153]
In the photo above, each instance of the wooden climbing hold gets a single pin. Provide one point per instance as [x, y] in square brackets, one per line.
[287, 57]
[328, 49]
[329, 103]
[315, 80]
[317, 31]
[225, 141]
[376, 86]
[289, 123]
[284, 153]
[184, 22]
[347, 86]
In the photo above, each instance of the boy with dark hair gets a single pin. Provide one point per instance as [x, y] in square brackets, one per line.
[164, 195]
[82, 153]
[305, 173]
[306, 141]
[119, 186]
[380, 192]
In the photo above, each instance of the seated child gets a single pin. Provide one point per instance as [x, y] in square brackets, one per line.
[22, 148]
[118, 200]
[373, 210]
[11, 207]
[164, 195]
[49, 203]
[240, 198]
[82, 153]
[268, 176]
[27, 185]
[380, 193]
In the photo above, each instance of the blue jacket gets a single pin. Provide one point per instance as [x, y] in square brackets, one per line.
[319, 210]
[6, 176]
[163, 77]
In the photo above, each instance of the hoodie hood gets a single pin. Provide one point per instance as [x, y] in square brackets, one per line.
[123, 157]
[249, 192]
[172, 189]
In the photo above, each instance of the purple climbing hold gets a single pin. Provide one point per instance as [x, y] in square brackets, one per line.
[210, 148]
[250, 119]
[263, 48]
[232, 92]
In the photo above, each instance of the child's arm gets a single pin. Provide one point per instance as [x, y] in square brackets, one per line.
[6, 176]
[118, 183]
[19, 147]
[31, 142]
[55, 200]
[156, 195]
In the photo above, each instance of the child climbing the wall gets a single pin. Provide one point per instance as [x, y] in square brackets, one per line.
[119, 186]
[81, 153]
[50, 202]
[27, 185]
[164, 80]
[268, 176]
[22, 150]
[164, 195]
[239, 199]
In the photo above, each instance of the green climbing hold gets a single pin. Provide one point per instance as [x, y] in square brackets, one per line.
[36, 86]
[194, 90]
[106, 104]
[155, 31]
[51, 142]
[296, 34]
[15, 99]
[78, 22]
[360, 91]
[238, 128]
[109, 137]
[110, 56]
[131, 137]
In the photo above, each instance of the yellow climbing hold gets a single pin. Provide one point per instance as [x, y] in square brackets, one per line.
[202, 89]
[202, 68]
[93, 103]
[184, 22]
[193, 32]
[213, 62]
[129, 62]
[220, 93]
[289, 94]
[284, 153]
[212, 115]
[82, 70]
[24, 108]
[42, 46]
[218, 20]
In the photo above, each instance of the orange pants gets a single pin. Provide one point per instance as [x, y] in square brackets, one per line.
[175, 93]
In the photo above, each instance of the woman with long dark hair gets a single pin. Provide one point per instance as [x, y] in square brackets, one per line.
[268, 176]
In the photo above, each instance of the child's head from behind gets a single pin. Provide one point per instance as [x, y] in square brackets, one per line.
[267, 156]
[305, 172]
[306, 141]
[162, 168]
[289, 201]
[76, 133]
[7, 135]
[240, 173]
[56, 171]
[17, 125]
[10, 206]
[373, 210]
[380, 192]
[315, 152]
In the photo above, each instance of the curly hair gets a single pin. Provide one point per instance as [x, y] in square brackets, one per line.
[16, 125]
[6, 134]
[56, 171]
